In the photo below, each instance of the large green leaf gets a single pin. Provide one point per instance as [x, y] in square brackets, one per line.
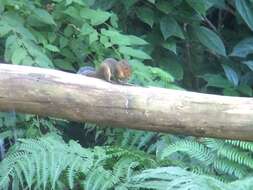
[243, 48]
[169, 27]
[121, 39]
[87, 29]
[165, 6]
[216, 3]
[18, 55]
[249, 64]
[44, 16]
[211, 40]
[146, 15]
[97, 17]
[231, 74]
[134, 52]
[4, 29]
[73, 12]
[218, 81]
[198, 5]
[245, 89]
[52, 48]
[245, 8]
[170, 45]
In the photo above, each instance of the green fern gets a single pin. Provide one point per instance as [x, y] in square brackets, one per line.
[174, 178]
[41, 163]
[242, 144]
[236, 154]
[226, 166]
[192, 148]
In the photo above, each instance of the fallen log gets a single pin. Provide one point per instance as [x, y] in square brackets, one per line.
[49, 92]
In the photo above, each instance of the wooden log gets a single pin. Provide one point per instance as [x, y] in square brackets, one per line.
[48, 92]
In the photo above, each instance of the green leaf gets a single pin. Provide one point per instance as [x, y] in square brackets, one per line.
[44, 16]
[86, 29]
[133, 52]
[4, 29]
[64, 64]
[165, 6]
[10, 46]
[211, 40]
[172, 65]
[245, 8]
[52, 48]
[230, 92]
[128, 4]
[68, 31]
[93, 37]
[245, 89]
[243, 48]
[198, 5]
[216, 3]
[216, 81]
[249, 64]
[146, 15]
[18, 55]
[231, 74]
[105, 41]
[63, 42]
[97, 17]
[28, 61]
[134, 40]
[80, 2]
[151, 1]
[172, 46]
[169, 27]
[73, 12]
[120, 39]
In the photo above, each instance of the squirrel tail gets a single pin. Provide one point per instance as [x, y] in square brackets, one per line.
[87, 70]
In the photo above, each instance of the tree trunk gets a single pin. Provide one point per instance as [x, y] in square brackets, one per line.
[78, 98]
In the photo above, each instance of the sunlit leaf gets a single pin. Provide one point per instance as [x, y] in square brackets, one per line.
[97, 17]
[245, 8]
[243, 48]
[134, 52]
[18, 55]
[231, 74]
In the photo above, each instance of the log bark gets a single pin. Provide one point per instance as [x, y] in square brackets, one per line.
[48, 92]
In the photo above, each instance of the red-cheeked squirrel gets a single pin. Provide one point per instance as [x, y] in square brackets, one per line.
[110, 70]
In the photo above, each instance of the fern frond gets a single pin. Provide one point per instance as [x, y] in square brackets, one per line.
[174, 178]
[213, 144]
[137, 139]
[192, 148]
[237, 155]
[42, 163]
[99, 178]
[242, 144]
[138, 156]
[230, 167]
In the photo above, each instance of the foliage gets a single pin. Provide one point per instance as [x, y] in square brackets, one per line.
[49, 162]
[203, 46]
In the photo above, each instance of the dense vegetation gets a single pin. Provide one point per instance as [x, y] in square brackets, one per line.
[197, 45]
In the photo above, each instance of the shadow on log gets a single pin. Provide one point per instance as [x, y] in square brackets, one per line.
[78, 98]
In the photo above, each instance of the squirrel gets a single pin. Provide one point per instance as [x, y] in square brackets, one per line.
[110, 70]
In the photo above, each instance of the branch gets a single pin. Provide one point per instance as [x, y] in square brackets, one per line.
[78, 98]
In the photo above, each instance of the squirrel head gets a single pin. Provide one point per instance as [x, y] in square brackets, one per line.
[124, 70]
